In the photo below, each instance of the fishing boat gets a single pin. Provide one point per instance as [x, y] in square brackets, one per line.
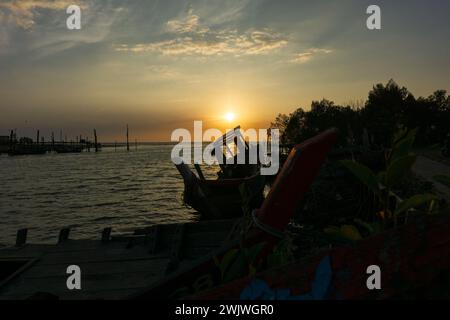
[238, 188]
[221, 198]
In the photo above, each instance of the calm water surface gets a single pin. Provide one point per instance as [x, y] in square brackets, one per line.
[89, 192]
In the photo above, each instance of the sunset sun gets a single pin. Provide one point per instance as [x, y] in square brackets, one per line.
[230, 116]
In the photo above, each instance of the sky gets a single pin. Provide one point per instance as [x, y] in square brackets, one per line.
[160, 65]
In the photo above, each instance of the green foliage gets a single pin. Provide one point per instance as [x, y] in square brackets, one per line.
[398, 169]
[282, 254]
[368, 228]
[399, 161]
[240, 262]
[388, 106]
[227, 259]
[347, 232]
[414, 202]
[403, 143]
[363, 173]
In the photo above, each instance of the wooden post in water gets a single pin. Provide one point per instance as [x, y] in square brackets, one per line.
[21, 237]
[95, 139]
[53, 141]
[106, 234]
[63, 235]
[135, 144]
[37, 137]
[11, 142]
[115, 146]
[128, 142]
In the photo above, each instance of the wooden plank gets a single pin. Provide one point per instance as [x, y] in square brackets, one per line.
[98, 268]
[25, 251]
[96, 256]
[194, 227]
[176, 251]
[115, 294]
[206, 239]
[198, 252]
[26, 265]
[57, 285]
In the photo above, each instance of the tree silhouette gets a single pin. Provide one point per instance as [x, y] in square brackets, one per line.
[388, 107]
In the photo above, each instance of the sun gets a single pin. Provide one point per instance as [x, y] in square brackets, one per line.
[230, 116]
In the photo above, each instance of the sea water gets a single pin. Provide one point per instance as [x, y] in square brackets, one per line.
[88, 192]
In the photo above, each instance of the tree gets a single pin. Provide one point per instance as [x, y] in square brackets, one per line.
[280, 123]
[388, 108]
[384, 111]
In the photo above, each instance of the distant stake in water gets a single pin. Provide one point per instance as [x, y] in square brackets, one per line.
[95, 140]
[128, 143]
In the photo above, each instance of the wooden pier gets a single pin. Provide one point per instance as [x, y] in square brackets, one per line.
[26, 146]
[112, 267]
[16, 149]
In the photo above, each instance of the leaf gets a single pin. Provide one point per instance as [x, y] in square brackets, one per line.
[252, 253]
[279, 256]
[399, 135]
[216, 261]
[363, 173]
[350, 232]
[445, 180]
[382, 177]
[251, 270]
[414, 202]
[237, 269]
[370, 229]
[332, 230]
[398, 170]
[226, 260]
[402, 147]
[402, 150]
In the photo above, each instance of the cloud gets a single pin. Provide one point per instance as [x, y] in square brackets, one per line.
[188, 24]
[253, 43]
[187, 36]
[306, 56]
[23, 12]
[162, 71]
[41, 26]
